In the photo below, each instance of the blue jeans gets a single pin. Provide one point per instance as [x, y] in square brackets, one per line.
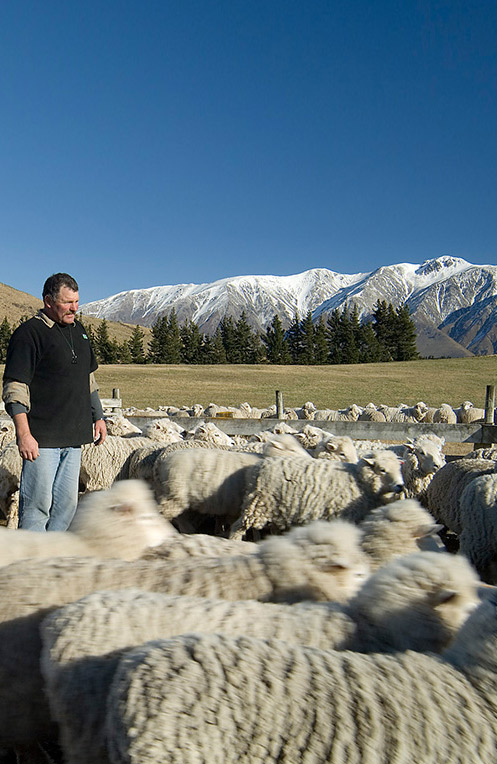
[48, 493]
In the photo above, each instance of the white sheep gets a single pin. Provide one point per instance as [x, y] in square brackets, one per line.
[397, 529]
[444, 491]
[422, 457]
[371, 413]
[163, 430]
[119, 425]
[211, 481]
[187, 545]
[416, 603]
[282, 493]
[120, 522]
[209, 432]
[10, 477]
[467, 413]
[7, 432]
[478, 517]
[336, 447]
[101, 465]
[445, 414]
[253, 700]
[322, 561]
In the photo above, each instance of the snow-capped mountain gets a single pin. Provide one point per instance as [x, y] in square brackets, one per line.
[453, 303]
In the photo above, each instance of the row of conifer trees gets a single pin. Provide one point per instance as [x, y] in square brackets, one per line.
[342, 338]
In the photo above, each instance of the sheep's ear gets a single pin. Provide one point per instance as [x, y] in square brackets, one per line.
[330, 445]
[369, 460]
[427, 530]
[123, 509]
[442, 597]
[409, 444]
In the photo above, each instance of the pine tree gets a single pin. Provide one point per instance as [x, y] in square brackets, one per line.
[294, 339]
[405, 335]
[106, 350]
[191, 341]
[212, 350]
[383, 329]
[157, 344]
[348, 331]
[135, 346]
[320, 342]
[172, 339]
[333, 336]
[307, 340]
[249, 348]
[275, 342]
[368, 346]
[228, 334]
[124, 353]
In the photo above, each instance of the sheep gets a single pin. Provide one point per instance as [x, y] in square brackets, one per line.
[371, 413]
[119, 425]
[467, 413]
[417, 603]
[487, 452]
[422, 457]
[101, 465]
[120, 522]
[210, 481]
[444, 491]
[163, 430]
[478, 516]
[209, 432]
[184, 546]
[324, 445]
[253, 700]
[306, 411]
[7, 432]
[10, 477]
[282, 493]
[397, 529]
[445, 414]
[322, 561]
[336, 447]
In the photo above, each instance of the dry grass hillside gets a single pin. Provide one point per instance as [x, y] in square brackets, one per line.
[15, 304]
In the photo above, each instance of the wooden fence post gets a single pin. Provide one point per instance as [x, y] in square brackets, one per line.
[490, 404]
[279, 404]
[116, 393]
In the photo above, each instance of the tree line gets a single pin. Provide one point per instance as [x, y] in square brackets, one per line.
[342, 338]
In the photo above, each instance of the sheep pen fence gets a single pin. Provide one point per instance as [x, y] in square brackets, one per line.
[478, 434]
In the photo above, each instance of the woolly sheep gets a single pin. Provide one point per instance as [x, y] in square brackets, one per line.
[416, 603]
[478, 516]
[292, 492]
[7, 432]
[397, 529]
[119, 425]
[120, 522]
[322, 561]
[163, 430]
[253, 700]
[422, 457]
[210, 481]
[10, 476]
[371, 413]
[336, 447]
[187, 545]
[487, 452]
[101, 465]
[467, 413]
[445, 414]
[209, 432]
[444, 491]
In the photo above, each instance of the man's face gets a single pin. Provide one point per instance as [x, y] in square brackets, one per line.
[64, 308]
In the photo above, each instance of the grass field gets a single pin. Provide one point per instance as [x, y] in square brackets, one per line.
[450, 380]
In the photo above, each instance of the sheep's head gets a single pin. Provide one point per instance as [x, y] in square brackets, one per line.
[382, 471]
[427, 453]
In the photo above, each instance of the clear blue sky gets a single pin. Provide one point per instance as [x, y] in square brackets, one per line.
[151, 142]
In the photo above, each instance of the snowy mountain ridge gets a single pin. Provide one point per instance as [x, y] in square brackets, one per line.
[452, 302]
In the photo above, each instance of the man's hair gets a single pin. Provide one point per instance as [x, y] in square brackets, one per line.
[52, 285]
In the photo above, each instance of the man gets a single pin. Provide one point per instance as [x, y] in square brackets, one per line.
[51, 394]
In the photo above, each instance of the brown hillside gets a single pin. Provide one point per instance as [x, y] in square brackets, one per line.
[15, 304]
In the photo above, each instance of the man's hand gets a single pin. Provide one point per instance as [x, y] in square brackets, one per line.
[100, 432]
[27, 445]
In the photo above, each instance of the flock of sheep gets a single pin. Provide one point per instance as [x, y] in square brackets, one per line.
[280, 598]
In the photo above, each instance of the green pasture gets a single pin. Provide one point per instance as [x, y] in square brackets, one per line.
[451, 380]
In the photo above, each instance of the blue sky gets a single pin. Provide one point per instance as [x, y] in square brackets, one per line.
[148, 142]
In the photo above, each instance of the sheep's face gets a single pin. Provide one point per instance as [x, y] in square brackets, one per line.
[385, 474]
